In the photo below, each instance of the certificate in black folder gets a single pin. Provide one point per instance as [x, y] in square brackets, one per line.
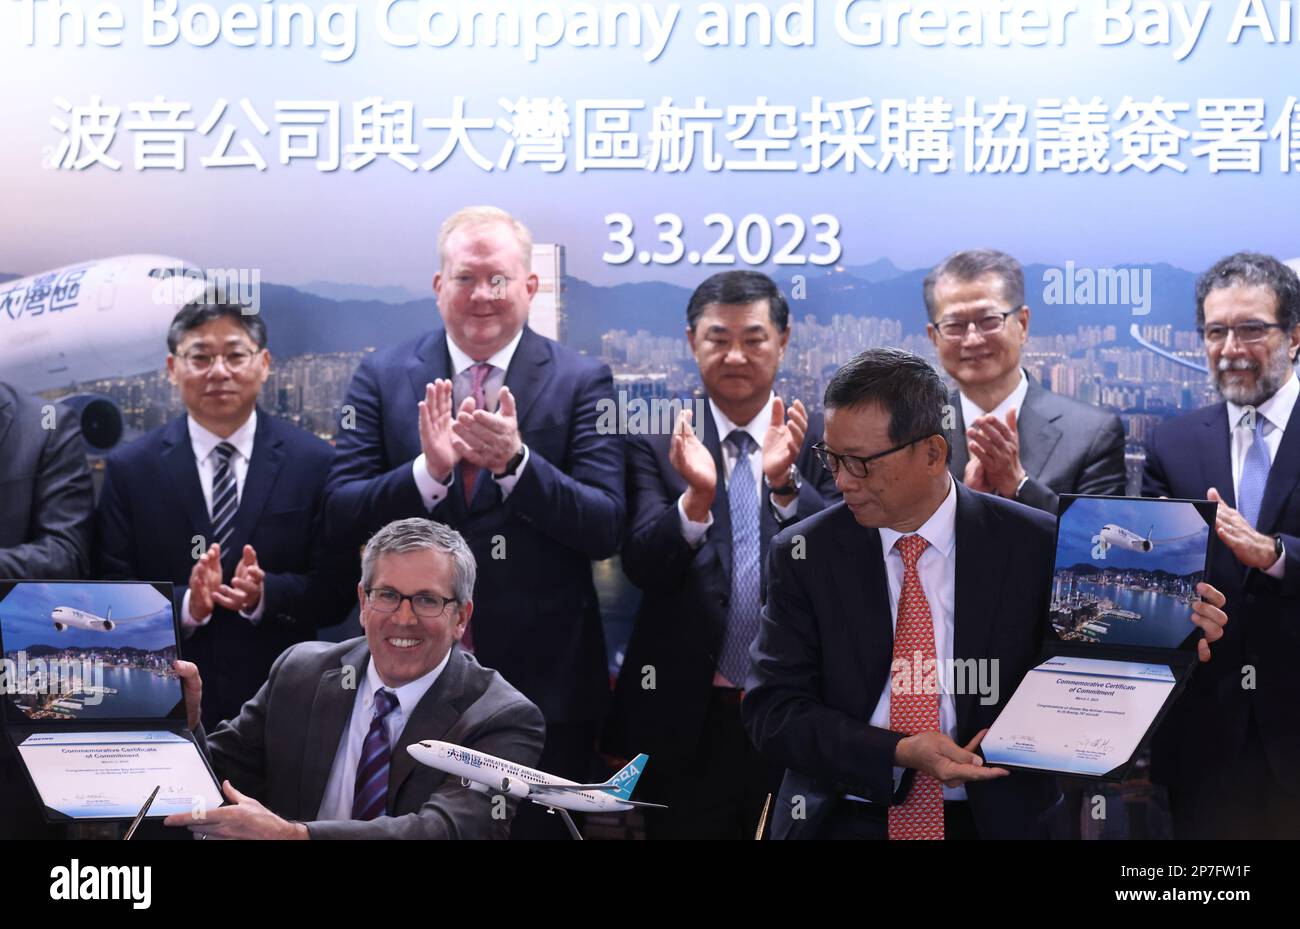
[91, 703]
[1121, 642]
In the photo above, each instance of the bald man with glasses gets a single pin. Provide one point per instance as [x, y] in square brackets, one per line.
[1011, 437]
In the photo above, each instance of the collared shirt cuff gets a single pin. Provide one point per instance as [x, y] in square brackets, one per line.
[255, 617]
[783, 513]
[431, 491]
[1278, 568]
[188, 622]
[692, 531]
[507, 481]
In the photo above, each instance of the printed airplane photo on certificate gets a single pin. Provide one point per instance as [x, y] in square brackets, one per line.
[1127, 569]
[88, 651]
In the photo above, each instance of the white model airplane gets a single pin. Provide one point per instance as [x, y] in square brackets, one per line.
[1117, 535]
[489, 774]
[92, 320]
[65, 617]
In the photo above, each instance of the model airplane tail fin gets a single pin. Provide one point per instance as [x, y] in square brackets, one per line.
[1150, 530]
[622, 783]
[110, 613]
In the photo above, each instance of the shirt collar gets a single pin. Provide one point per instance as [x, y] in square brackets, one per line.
[1276, 409]
[204, 441]
[756, 427]
[460, 362]
[940, 530]
[408, 695]
[970, 411]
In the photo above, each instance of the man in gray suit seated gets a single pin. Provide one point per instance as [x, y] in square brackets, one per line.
[45, 490]
[320, 751]
[1011, 437]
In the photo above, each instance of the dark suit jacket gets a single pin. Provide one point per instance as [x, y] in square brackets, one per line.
[824, 649]
[1066, 447]
[46, 495]
[1207, 725]
[683, 615]
[151, 509]
[281, 746]
[536, 617]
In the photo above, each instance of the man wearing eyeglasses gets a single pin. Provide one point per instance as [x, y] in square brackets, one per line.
[704, 503]
[1011, 437]
[321, 751]
[1230, 748]
[494, 430]
[868, 604]
[227, 503]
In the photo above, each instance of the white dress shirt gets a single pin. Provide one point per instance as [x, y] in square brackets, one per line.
[937, 568]
[204, 443]
[971, 411]
[431, 490]
[694, 532]
[1277, 410]
[336, 802]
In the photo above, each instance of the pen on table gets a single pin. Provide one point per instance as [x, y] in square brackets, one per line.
[139, 817]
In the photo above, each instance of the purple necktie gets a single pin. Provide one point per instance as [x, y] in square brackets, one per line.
[370, 795]
[469, 472]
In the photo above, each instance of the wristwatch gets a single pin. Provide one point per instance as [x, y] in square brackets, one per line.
[513, 464]
[1278, 550]
[793, 481]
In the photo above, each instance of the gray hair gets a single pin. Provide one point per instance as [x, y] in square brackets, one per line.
[972, 264]
[418, 535]
[1247, 269]
[484, 216]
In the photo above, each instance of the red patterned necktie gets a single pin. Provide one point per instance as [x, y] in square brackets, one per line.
[469, 472]
[920, 816]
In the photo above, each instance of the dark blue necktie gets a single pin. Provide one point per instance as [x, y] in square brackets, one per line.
[225, 499]
[1254, 470]
[370, 795]
[746, 567]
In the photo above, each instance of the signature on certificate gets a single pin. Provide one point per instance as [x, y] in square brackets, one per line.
[1098, 744]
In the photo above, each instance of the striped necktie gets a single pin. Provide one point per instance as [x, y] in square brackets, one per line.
[1254, 470]
[370, 793]
[469, 471]
[225, 496]
[920, 816]
[746, 562]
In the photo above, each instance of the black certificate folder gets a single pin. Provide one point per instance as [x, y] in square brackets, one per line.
[92, 707]
[1120, 642]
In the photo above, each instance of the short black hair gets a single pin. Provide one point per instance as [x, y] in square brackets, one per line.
[972, 264]
[740, 287]
[1250, 269]
[901, 383]
[205, 310]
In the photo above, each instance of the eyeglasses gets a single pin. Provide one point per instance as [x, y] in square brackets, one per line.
[856, 465]
[1251, 331]
[955, 329]
[202, 361]
[425, 606]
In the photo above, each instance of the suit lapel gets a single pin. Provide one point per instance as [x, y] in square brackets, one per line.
[721, 532]
[1282, 477]
[957, 439]
[1037, 431]
[1216, 464]
[7, 417]
[978, 584]
[180, 466]
[432, 718]
[864, 603]
[330, 711]
[263, 468]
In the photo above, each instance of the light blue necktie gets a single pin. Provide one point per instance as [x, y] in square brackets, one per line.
[746, 567]
[1254, 471]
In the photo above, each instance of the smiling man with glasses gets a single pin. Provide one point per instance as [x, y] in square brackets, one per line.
[1011, 437]
[226, 502]
[320, 752]
[1229, 750]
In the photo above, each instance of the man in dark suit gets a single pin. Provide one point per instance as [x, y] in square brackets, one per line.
[226, 502]
[321, 751]
[1009, 435]
[911, 572]
[492, 429]
[45, 490]
[696, 551]
[1229, 749]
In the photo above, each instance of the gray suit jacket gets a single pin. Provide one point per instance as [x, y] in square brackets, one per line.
[46, 495]
[281, 747]
[1066, 447]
